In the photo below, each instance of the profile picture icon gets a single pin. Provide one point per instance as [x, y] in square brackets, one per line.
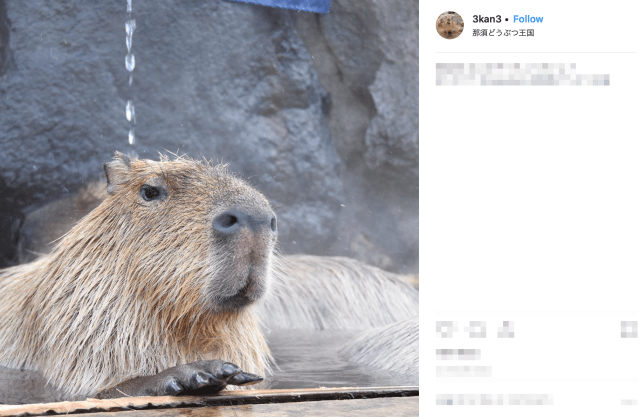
[450, 25]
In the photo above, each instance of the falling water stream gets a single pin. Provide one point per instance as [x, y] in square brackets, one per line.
[129, 62]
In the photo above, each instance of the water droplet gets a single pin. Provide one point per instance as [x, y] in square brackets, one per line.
[131, 137]
[130, 62]
[342, 205]
[129, 26]
[129, 6]
[130, 79]
[130, 111]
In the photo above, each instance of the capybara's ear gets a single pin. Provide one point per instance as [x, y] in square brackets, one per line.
[117, 171]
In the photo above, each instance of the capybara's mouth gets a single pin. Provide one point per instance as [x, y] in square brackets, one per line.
[244, 297]
[235, 303]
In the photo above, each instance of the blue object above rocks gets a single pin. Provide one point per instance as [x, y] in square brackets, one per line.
[316, 6]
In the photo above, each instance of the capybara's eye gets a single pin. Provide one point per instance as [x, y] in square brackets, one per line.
[149, 193]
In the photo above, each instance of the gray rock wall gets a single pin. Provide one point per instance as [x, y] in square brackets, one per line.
[319, 112]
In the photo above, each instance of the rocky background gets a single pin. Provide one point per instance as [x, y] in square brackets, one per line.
[319, 112]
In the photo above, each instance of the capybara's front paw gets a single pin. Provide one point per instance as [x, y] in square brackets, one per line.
[203, 377]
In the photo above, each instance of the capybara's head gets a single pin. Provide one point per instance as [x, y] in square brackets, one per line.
[188, 233]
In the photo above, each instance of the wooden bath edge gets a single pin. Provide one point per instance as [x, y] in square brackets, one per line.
[237, 397]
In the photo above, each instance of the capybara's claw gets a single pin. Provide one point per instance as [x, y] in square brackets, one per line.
[244, 378]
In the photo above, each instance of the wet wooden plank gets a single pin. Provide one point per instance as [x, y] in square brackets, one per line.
[225, 398]
[372, 407]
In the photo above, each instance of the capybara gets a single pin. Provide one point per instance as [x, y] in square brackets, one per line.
[321, 292]
[152, 292]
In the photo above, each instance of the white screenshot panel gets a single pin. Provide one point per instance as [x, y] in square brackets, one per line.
[529, 208]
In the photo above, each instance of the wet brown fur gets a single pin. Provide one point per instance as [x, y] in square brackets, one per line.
[129, 291]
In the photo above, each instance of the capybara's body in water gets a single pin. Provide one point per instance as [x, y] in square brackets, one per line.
[162, 274]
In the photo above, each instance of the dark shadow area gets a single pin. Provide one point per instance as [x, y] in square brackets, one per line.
[11, 220]
[5, 53]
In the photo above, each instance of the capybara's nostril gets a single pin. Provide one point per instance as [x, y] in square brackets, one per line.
[232, 221]
[227, 223]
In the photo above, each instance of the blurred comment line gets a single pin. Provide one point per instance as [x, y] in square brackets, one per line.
[515, 74]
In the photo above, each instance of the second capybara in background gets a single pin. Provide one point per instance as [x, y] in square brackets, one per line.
[324, 293]
[394, 347]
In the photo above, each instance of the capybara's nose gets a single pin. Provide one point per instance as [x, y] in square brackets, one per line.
[232, 221]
